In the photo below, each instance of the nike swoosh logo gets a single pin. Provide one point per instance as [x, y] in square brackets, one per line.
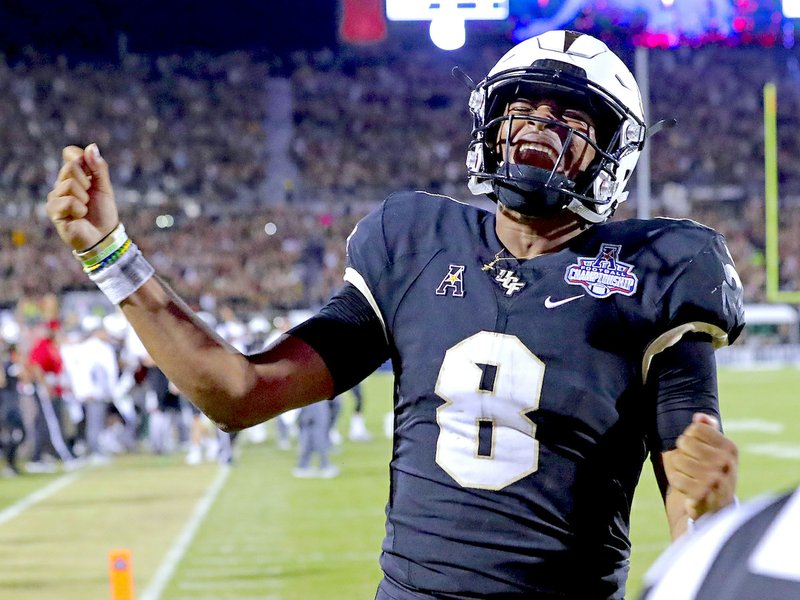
[548, 303]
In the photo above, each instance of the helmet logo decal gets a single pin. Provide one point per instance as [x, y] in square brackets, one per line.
[453, 282]
[569, 39]
[603, 274]
[509, 281]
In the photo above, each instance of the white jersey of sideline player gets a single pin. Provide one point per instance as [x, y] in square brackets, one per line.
[747, 552]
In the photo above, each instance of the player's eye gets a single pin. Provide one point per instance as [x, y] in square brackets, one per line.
[520, 109]
[578, 118]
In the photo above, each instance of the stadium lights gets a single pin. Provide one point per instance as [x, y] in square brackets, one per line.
[791, 9]
[165, 221]
[447, 17]
[448, 33]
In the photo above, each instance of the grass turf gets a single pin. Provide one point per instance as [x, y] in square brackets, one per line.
[272, 537]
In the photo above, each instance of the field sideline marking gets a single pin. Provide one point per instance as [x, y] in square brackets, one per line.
[165, 570]
[41, 494]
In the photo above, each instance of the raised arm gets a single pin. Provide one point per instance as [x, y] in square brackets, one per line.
[234, 390]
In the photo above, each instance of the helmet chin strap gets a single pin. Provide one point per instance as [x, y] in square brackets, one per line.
[531, 191]
[587, 215]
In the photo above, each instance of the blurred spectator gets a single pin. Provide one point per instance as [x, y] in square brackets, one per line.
[190, 139]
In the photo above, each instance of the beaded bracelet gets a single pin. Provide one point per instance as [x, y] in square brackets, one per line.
[110, 259]
[115, 265]
[104, 248]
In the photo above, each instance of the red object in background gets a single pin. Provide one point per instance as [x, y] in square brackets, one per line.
[46, 355]
[362, 21]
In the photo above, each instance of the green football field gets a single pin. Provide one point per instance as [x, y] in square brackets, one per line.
[254, 532]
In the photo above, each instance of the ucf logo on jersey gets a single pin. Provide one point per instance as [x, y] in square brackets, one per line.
[509, 281]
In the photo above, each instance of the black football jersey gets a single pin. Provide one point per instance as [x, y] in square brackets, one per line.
[522, 416]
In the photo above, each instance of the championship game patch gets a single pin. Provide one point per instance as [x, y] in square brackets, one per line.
[604, 274]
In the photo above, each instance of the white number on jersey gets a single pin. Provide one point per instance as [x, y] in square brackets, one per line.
[489, 383]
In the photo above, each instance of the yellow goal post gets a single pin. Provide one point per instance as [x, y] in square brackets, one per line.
[772, 200]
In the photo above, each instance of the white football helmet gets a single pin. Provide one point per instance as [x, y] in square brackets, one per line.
[584, 72]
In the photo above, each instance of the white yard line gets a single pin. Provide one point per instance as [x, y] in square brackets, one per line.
[783, 450]
[758, 425]
[25, 503]
[165, 570]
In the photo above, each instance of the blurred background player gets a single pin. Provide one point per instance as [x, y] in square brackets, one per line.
[314, 441]
[357, 430]
[93, 368]
[46, 369]
[12, 427]
[167, 429]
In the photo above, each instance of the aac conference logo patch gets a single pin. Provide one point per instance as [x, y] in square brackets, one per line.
[453, 282]
[603, 274]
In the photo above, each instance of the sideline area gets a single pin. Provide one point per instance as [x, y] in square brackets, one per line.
[55, 540]
[21, 505]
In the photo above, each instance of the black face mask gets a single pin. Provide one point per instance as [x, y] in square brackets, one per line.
[528, 191]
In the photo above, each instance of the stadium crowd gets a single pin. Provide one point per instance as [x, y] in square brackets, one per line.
[188, 141]
[187, 137]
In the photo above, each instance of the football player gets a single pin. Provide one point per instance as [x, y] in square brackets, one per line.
[540, 352]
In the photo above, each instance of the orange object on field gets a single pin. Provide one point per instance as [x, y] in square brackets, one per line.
[120, 574]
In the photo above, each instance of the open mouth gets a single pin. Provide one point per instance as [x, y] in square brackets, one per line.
[535, 154]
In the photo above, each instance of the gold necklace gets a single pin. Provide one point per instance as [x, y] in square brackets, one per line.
[497, 258]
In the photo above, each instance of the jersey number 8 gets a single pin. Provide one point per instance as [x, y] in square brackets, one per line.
[489, 382]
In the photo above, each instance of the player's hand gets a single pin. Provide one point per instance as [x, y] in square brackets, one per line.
[81, 204]
[705, 467]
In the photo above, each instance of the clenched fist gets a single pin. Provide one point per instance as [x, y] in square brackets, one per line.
[704, 466]
[81, 204]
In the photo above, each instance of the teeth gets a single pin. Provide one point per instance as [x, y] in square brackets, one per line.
[528, 146]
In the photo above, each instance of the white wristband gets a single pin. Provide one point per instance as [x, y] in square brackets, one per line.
[123, 277]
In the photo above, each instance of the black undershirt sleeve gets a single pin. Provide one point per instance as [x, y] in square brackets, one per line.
[684, 380]
[349, 337]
